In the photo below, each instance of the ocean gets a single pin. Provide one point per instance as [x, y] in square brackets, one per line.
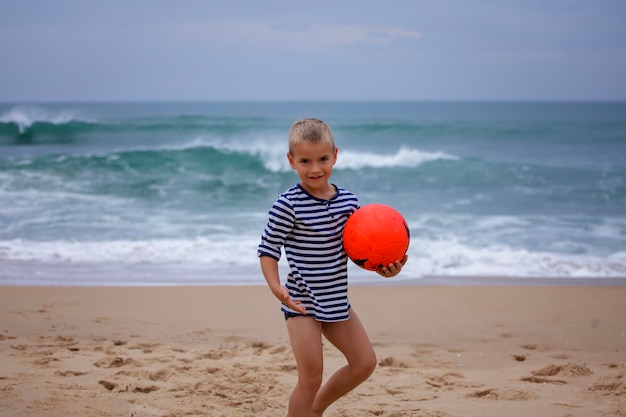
[178, 193]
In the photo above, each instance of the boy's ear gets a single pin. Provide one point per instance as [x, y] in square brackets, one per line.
[290, 159]
[335, 155]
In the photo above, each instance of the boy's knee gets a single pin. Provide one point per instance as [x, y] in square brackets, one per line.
[310, 382]
[366, 366]
[373, 362]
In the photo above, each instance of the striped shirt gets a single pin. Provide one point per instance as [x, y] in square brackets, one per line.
[310, 230]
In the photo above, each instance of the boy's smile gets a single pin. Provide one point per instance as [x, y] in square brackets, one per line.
[314, 165]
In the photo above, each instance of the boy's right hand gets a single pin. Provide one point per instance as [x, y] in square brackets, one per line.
[283, 295]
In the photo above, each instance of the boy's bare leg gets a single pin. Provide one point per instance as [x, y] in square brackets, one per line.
[305, 336]
[351, 339]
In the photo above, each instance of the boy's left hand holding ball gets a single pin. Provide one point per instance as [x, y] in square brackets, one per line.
[392, 269]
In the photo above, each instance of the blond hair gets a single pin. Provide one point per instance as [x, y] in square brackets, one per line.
[310, 130]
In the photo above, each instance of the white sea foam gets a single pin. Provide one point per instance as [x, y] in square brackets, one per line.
[448, 256]
[214, 259]
[272, 151]
[25, 117]
[405, 157]
[275, 160]
[200, 251]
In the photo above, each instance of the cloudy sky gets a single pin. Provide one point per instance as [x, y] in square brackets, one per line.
[324, 50]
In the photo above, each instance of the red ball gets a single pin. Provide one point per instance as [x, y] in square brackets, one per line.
[375, 236]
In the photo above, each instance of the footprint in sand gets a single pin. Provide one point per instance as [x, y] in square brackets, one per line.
[540, 380]
[280, 349]
[146, 390]
[109, 386]
[609, 387]
[161, 375]
[70, 373]
[144, 347]
[392, 362]
[449, 381]
[529, 346]
[503, 394]
[44, 361]
[114, 363]
[446, 381]
[613, 384]
[570, 369]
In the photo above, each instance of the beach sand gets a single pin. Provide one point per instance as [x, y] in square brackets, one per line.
[223, 351]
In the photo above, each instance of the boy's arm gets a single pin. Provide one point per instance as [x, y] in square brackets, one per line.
[269, 267]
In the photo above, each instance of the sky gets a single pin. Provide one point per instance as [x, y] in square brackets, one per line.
[120, 50]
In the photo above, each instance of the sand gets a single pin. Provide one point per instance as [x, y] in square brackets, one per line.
[222, 351]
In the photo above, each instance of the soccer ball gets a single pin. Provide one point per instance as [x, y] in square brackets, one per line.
[375, 236]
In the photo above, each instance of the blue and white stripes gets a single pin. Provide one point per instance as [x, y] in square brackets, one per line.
[310, 230]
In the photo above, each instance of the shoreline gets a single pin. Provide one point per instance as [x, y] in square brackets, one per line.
[376, 281]
[512, 281]
[222, 351]
[34, 273]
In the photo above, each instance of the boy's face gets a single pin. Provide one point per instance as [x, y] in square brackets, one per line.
[314, 165]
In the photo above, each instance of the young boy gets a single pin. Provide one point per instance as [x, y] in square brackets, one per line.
[308, 220]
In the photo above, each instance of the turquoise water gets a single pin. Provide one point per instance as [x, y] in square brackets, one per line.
[177, 193]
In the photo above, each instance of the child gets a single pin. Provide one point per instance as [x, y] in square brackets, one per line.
[308, 220]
